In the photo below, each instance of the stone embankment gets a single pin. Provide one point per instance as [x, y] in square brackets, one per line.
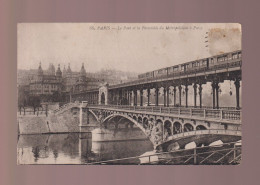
[33, 124]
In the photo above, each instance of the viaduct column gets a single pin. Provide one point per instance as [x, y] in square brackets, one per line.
[117, 97]
[180, 95]
[127, 97]
[174, 96]
[217, 95]
[213, 93]
[237, 84]
[164, 97]
[112, 96]
[135, 97]
[130, 97]
[167, 97]
[148, 97]
[186, 94]
[141, 97]
[120, 96]
[200, 94]
[195, 94]
[156, 96]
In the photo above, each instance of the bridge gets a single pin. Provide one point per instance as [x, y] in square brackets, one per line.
[166, 127]
[169, 126]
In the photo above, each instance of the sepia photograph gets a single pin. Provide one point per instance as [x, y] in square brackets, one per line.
[129, 93]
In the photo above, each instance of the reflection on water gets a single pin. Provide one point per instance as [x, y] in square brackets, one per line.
[75, 149]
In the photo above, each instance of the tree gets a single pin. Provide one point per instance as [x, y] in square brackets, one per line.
[22, 97]
[56, 97]
[35, 102]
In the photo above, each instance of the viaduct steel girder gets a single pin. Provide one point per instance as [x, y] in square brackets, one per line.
[220, 73]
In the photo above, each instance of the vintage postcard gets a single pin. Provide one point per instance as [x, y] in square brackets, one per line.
[129, 93]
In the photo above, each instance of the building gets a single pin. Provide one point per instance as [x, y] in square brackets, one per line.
[46, 83]
[50, 84]
[53, 85]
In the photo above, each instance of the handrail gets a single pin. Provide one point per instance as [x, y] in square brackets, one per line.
[219, 114]
[231, 144]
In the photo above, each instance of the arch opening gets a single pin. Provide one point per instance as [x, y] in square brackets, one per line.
[177, 128]
[168, 127]
[145, 122]
[188, 127]
[201, 127]
[140, 120]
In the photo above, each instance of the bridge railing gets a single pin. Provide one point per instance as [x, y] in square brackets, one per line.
[231, 114]
[31, 112]
[64, 107]
[220, 114]
[226, 153]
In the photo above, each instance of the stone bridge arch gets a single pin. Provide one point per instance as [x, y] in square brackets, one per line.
[177, 127]
[168, 128]
[201, 127]
[187, 127]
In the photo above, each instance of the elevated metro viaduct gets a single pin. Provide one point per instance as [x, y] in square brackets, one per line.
[169, 126]
[126, 93]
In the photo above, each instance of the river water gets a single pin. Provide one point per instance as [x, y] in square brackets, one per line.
[75, 148]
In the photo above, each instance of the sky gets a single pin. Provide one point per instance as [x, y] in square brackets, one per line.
[126, 46]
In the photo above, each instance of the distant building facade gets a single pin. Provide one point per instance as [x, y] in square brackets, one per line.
[54, 85]
[45, 83]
